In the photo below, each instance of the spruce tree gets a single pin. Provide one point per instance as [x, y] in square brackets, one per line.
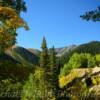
[44, 63]
[54, 72]
[52, 58]
[44, 59]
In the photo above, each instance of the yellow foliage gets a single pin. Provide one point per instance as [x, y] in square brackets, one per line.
[64, 80]
[94, 81]
[10, 21]
[53, 98]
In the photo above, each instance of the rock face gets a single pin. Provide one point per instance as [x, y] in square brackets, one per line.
[82, 82]
[81, 73]
[96, 69]
[64, 50]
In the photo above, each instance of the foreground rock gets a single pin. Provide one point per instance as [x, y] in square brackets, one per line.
[81, 83]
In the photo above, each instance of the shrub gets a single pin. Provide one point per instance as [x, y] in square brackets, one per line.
[79, 61]
[35, 87]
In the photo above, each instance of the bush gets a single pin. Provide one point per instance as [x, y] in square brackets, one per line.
[91, 60]
[35, 87]
[98, 59]
[79, 61]
[17, 72]
[10, 90]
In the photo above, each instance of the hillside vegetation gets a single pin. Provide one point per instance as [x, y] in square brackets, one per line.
[23, 69]
[82, 84]
[92, 48]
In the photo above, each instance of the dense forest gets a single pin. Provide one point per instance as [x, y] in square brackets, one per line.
[68, 73]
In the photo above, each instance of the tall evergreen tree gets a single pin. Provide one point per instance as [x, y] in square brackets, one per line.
[44, 59]
[52, 58]
[54, 72]
[44, 63]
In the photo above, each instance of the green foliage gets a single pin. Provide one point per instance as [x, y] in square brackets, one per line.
[10, 21]
[16, 72]
[53, 72]
[10, 89]
[52, 58]
[49, 64]
[44, 58]
[25, 57]
[73, 86]
[98, 59]
[65, 70]
[92, 48]
[78, 61]
[78, 90]
[44, 62]
[92, 15]
[81, 86]
[91, 60]
[96, 80]
[18, 5]
[35, 87]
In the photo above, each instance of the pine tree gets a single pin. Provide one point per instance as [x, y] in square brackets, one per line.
[52, 58]
[44, 59]
[54, 72]
[44, 63]
[93, 15]
[52, 64]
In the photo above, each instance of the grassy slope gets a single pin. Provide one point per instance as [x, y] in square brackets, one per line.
[24, 56]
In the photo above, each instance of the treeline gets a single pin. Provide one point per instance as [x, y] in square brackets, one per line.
[83, 60]
[44, 82]
[92, 48]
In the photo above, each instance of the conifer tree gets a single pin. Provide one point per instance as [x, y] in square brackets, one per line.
[44, 59]
[93, 15]
[52, 58]
[44, 63]
[54, 72]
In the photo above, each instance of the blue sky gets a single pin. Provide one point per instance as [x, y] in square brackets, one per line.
[59, 21]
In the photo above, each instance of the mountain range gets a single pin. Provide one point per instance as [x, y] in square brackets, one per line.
[30, 56]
